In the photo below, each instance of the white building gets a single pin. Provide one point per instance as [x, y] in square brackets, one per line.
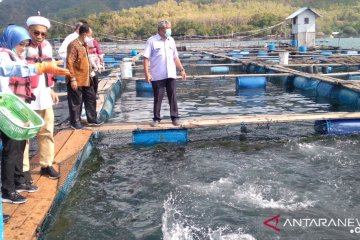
[303, 26]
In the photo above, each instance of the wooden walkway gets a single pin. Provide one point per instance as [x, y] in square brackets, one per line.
[27, 218]
[229, 120]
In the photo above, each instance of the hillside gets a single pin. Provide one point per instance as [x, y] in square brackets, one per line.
[17, 11]
[136, 19]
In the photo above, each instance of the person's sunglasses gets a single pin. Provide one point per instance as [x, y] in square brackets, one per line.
[37, 33]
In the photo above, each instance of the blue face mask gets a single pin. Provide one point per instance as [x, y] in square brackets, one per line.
[168, 32]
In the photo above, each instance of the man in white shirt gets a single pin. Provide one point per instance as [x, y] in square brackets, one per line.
[161, 54]
[63, 48]
[40, 50]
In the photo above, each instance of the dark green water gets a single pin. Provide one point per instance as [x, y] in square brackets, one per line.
[224, 183]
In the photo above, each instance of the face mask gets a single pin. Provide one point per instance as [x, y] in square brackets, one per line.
[168, 32]
[88, 41]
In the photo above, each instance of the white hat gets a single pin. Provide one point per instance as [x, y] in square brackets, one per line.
[38, 20]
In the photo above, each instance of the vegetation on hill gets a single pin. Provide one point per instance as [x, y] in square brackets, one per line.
[226, 18]
[189, 17]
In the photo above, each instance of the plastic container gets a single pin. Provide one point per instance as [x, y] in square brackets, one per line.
[250, 82]
[17, 120]
[262, 53]
[305, 83]
[326, 53]
[303, 49]
[133, 52]
[284, 58]
[294, 43]
[220, 69]
[143, 86]
[324, 89]
[338, 127]
[149, 137]
[126, 70]
[271, 47]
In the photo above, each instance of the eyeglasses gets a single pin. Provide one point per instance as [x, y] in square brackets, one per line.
[37, 33]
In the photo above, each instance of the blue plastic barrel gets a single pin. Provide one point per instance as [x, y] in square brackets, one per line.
[250, 82]
[346, 97]
[250, 68]
[351, 53]
[116, 64]
[326, 53]
[232, 53]
[219, 69]
[143, 86]
[260, 69]
[276, 60]
[294, 43]
[262, 53]
[150, 137]
[145, 94]
[338, 127]
[271, 47]
[237, 55]
[109, 59]
[354, 77]
[303, 49]
[324, 89]
[133, 52]
[305, 83]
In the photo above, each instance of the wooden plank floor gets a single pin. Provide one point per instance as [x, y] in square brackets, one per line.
[228, 120]
[27, 218]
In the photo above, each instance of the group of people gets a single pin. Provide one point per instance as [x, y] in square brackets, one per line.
[28, 70]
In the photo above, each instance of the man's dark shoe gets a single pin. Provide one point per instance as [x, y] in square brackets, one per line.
[50, 172]
[26, 187]
[6, 218]
[28, 178]
[76, 126]
[155, 123]
[176, 122]
[95, 124]
[14, 198]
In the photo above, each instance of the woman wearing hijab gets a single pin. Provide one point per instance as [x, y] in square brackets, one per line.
[14, 41]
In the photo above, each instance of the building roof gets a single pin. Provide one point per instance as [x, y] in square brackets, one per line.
[303, 10]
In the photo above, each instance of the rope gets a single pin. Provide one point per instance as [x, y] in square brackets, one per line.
[117, 39]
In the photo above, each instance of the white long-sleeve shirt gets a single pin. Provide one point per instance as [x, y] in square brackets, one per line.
[63, 48]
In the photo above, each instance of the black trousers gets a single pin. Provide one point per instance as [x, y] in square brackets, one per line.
[75, 100]
[159, 90]
[96, 82]
[12, 164]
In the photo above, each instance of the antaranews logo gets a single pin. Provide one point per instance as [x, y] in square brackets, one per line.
[269, 223]
[352, 223]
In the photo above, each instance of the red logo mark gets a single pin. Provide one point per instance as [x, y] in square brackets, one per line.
[267, 223]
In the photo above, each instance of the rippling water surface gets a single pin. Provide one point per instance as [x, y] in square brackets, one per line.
[221, 185]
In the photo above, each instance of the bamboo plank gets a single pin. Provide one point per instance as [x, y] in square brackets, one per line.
[74, 144]
[223, 76]
[228, 120]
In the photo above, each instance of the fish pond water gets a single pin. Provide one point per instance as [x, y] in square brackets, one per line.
[225, 182]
